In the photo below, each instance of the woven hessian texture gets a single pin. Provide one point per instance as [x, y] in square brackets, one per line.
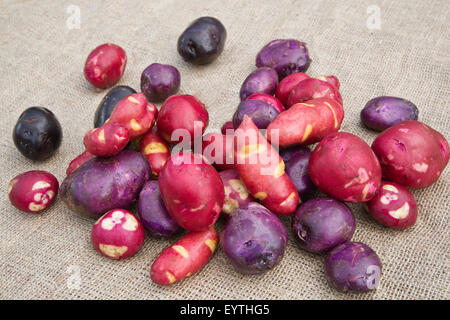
[41, 64]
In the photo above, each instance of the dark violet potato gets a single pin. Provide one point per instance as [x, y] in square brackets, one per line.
[254, 239]
[353, 266]
[159, 81]
[203, 41]
[296, 161]
[320, 224]
[37, 134]
[153, 213]
[102, 184]
[286, 56]
[109, 102]
[261, 113]
[383, 112]
[262, 80]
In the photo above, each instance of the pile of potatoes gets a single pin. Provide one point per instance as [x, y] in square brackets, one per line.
[258, 167]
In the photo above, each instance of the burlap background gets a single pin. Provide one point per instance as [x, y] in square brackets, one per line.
[41, 63]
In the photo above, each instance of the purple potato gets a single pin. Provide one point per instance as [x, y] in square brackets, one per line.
[102, 184]
[262, 80]
[320, 224]
[153, 213]
[383, 112]
[159, 81]
[296, 167]
[353, 266]
[286, 56]
[261, 113]
[254, 239]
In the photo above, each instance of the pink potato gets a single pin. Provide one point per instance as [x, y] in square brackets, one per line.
[185, 113]
[333, 80]
[236, 194]
[394, 206]
[313, 89]
[185, 257]
[267, 98]
[33, 191]
[228, 126]
[118, 234]
[306, 123]
[106, 141]
[262, 170]
[218, 149]
[344, 167]
[105, 65]
[192, 191]
[134, 113]
[78, 161]
[155, 150]
[411, 154]
[287, 84]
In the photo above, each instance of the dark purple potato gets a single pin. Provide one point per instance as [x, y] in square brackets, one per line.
[261, 113]
[383, 112]
[262, 80]
[159, 81]
[37, 134]
[320, 224]
[203, 41]
[102, 184]
[254, 239]
[109, 102]
[353, 266]
[296, 161]
[286, 56]
[153, 213]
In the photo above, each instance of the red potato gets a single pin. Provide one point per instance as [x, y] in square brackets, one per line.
[333, 80]
[155, 150]
[344, 167]
[105, 65]
[262, 170]
[286, 85]
[218, 149]
[78, 161]
[228, 126]
[185, 257]
[106, 141]
[134, 113]
[393, 206]
[306, 123]
[236, 194]
[267, 98]
[411, 154]
[183, 112]
[192, 191]
[33, 191]
[313, 89]
[118, 234]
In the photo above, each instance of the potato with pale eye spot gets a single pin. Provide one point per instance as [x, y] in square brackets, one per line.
[106, 141]
[117, 234]
[33, 191]
[218, 149]
[155, 150]
[236, 194]
[185, 257]
[394, 206]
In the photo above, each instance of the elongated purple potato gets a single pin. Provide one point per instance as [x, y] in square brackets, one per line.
[383, 112]
[159, 81]
[253, 239]
[102, 184]
[286, 56]
[262, 80]
[261, 113]
[153, 213]
[296, 161]
[353, 266]
[321, 224]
